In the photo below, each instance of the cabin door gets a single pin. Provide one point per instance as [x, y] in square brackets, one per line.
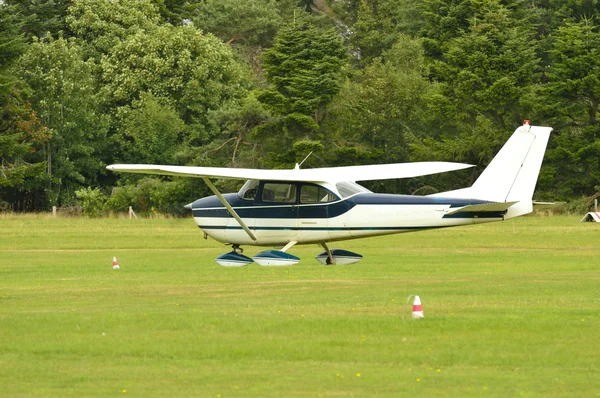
[277, 215]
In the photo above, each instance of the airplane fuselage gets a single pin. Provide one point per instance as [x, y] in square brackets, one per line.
[321, 205]
[357, 216]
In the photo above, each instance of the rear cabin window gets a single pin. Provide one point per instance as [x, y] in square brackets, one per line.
[350, 188]
[315, 194]
[278, 192]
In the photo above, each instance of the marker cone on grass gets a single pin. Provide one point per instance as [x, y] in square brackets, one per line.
[417, 309]
[115, 263]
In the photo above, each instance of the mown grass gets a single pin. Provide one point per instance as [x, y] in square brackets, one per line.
[512, 309]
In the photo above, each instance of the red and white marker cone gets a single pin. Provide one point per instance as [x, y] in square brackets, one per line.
[417, 309]
[115, 263]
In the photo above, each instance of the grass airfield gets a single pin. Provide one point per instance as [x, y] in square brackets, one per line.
[511, 309]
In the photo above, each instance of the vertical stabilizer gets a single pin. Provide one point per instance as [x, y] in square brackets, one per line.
[512, 175]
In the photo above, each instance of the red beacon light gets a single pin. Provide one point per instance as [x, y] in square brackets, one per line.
[525, 122]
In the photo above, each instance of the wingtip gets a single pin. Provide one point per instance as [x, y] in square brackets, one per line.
[463, 165]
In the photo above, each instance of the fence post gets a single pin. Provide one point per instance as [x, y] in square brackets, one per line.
[131, 213]
[53, 212]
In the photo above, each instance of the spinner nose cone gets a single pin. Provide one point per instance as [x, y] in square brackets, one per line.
[188, 206]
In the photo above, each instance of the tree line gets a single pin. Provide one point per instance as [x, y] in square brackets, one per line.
[262, 83]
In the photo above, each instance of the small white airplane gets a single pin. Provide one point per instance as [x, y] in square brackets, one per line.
[283, 208]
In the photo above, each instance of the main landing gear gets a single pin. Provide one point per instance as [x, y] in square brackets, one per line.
[235, 258]
[337, 256]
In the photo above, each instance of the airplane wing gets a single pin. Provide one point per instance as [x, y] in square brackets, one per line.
[326, 174]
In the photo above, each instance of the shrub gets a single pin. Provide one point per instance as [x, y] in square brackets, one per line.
[92, 201]
[152, 195]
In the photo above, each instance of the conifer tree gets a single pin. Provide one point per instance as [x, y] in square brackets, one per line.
[305, 69]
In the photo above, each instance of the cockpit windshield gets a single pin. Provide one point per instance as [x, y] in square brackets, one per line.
[248, 190]
[346, 188]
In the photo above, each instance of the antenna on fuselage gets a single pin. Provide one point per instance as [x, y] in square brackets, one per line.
[298, 165]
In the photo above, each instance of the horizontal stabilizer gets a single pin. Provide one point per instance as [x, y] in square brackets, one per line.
[546, 205]
[487, 207]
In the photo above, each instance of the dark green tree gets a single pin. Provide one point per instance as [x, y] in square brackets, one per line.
[20, 129]
[248, 26]
[237, 122]
[305, 70]
[383, 105]
[41, 17]
[571, 99]
[486, 78]
[384, 102]
[378, 24]
[252, 22]
[175, 12]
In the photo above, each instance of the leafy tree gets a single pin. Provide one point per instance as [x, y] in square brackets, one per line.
[63, 95]
[104, 24]
[153, 130]
[191, 72]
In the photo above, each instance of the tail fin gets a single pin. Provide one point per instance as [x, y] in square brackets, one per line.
[512, 175]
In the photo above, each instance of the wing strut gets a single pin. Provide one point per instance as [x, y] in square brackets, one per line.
[228, 207]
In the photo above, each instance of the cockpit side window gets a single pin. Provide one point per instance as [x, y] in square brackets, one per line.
[248, 191]
[279, 192]
[315, 194]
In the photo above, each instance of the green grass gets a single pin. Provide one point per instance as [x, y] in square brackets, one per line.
[512, 309]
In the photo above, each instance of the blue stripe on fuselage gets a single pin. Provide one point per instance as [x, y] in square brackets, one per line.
[319, 228]
[212, 207]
